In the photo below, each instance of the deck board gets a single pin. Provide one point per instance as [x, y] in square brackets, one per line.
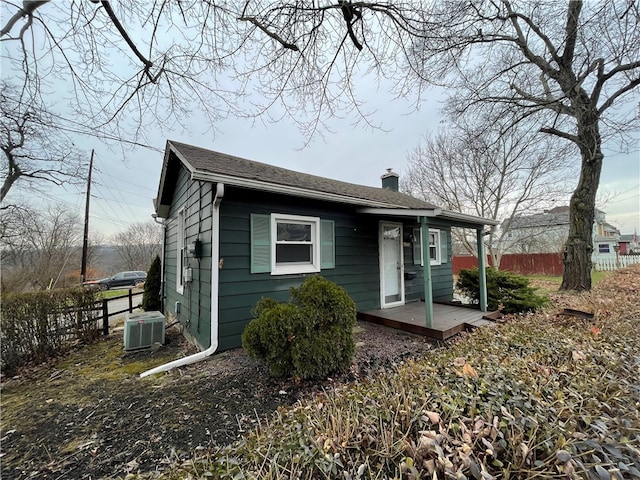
[448, 320]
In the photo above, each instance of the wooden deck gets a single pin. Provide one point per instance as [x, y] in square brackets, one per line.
[449, 320]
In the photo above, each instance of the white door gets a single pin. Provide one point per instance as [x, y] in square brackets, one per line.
[391, 268]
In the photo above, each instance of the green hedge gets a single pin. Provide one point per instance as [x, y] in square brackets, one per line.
[309, 337]
[35, 326]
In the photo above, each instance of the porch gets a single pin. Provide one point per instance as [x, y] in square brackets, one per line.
[448, 320]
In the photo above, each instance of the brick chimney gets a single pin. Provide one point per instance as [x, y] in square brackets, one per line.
[390, 180]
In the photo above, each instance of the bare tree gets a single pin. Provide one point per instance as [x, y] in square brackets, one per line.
[481, 169]
[35, 151]
[40, 249]
[139, 244]
[567, 65]
[147, 63]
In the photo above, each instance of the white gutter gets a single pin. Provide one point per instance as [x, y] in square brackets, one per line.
[215, 260]
[402, 212]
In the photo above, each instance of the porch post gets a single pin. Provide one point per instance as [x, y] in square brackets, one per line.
[426, 272]
[482, 270]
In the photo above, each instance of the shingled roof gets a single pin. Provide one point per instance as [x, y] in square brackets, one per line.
[235, 171]
[204, 164]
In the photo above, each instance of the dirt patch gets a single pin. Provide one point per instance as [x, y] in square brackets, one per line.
[89, 415]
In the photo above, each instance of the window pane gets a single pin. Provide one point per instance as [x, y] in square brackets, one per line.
[293, 253]
[432, 252]
[294, 232]
[391, 233]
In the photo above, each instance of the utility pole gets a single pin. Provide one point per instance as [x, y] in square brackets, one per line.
[85, 240]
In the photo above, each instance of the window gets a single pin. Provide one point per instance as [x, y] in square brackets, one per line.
[290, 244]
[603, 248]
[181, 251]
[437, 247]
[295, 248]
[434, 247]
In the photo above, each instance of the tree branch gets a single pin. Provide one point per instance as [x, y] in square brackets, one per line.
[560, 133]
[147, 63]
[27, 10]
[269, 33]
[571, 31]
[630, 86]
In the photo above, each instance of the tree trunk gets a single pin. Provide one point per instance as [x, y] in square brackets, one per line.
[579, 245]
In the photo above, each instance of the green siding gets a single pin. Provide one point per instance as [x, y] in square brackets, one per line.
[355, 266]
[195, 300]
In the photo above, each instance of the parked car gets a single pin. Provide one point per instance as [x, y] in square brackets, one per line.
[122, 279]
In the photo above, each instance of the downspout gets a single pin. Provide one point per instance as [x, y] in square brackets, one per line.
[215, 261]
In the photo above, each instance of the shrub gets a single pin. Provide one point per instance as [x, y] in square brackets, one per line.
[309, 337]
[38, 325]
[506, 291]
[153, 284]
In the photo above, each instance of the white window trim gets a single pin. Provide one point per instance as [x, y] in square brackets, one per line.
[436, 235]
[313, 267]
[180, 254]
[438, 259]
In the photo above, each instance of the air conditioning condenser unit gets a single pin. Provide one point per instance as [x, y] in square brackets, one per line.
[143, 329]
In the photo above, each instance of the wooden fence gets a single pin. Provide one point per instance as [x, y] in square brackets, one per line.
[524, 264]
[106, 314]
[542, 263]
[99, 313]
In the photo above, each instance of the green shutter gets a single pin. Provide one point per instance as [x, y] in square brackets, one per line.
[327, 244]
[417, 247]
[260, 243]
[444, 254]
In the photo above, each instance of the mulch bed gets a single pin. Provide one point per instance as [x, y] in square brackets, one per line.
[106, 429]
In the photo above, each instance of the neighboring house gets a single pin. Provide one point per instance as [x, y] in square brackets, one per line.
[238, 230]
[547, 233]
[538, 233]
[605, 238]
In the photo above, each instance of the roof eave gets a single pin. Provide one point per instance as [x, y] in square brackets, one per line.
[459, 218]
[469, 219]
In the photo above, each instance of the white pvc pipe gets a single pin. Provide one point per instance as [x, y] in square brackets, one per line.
[215, 260]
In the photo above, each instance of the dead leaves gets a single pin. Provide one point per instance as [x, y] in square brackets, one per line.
[466, 371]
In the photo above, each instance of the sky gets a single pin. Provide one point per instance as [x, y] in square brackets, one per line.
[125, 182]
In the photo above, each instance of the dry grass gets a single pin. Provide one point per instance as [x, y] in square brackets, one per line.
[538, 396]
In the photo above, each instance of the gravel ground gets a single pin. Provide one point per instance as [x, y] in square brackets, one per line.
[62, 421]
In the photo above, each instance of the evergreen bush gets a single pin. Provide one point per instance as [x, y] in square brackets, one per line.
[506, 291]
[151, 300]
[309, 337]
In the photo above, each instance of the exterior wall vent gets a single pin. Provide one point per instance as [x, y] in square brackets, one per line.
[143, 329]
